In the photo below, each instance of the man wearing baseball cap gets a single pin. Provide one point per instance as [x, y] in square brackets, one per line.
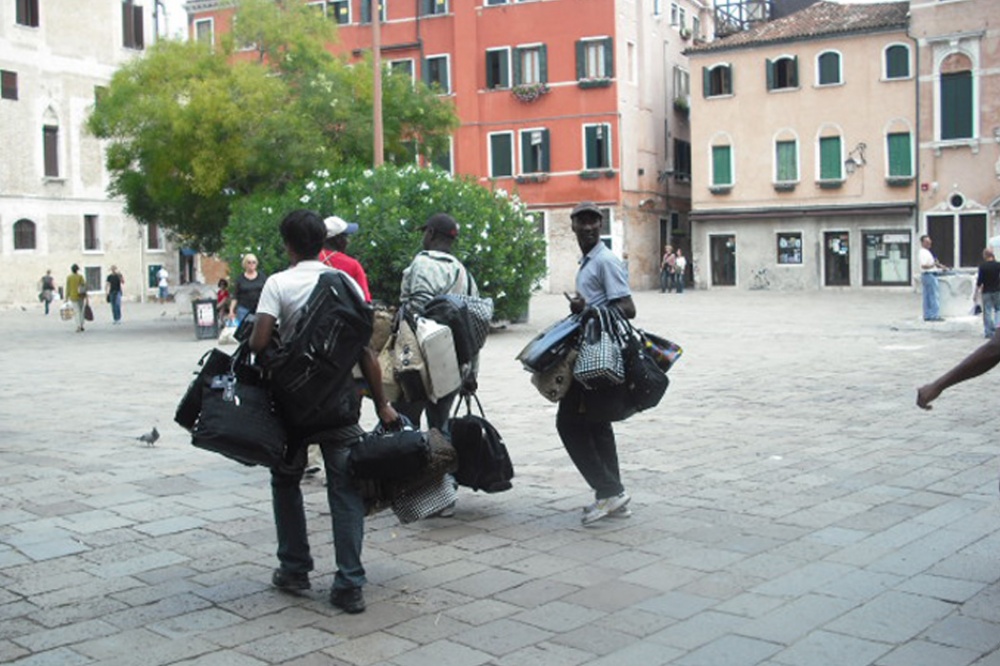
[333, 253]
[601, 282]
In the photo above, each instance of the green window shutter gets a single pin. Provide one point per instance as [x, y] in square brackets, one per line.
[829, 72]
[956, 105]
[527, 154]
[706, 82]
[546, 161]
[729, 77]
[722, 168]
[516, 55]
[500, 159]
[785, 157]
[897, 62]
[829, 158]
[503, 56]
[581, 60]
[425, 71]
[769, 71]
[590, 143]
[366, 11]
[793, 80]
[609, 57]
[900, 158]
[543, 64]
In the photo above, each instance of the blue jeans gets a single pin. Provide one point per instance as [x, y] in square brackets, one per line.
[438, 412]
[116, 305]
[991, 307]
[665, 279]
[929, 283]
[347, 514]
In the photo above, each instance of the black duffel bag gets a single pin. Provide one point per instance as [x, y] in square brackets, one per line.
[384, 455]
[213, 362]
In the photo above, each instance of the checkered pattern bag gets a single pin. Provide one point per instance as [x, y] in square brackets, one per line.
[480, 316]
[600, 362]
[422, 502]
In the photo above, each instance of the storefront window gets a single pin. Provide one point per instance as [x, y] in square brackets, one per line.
[790, 248]
[887, 257]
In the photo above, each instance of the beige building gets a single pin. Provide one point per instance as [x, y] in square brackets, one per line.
[803, 139]
[54, 209]
[959, 112]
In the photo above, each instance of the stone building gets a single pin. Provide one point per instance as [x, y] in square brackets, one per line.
[54, 208]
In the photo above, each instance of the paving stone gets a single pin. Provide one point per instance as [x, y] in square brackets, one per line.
[596, 639]
[558, 616]
[483, 611]
[549, 654]
[892, 617]
[58, 657]
[965, 632]
[923, 653]
[730, 651]
[501, 636]
[374, 648]
[442, 653]
[289, 644]
[823, 647]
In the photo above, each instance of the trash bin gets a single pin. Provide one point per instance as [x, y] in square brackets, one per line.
[205, 323]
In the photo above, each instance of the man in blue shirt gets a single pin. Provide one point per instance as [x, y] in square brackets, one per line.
[601, 281]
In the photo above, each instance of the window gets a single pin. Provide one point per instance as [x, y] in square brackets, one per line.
[786, 162]
[790, 248]
[433, 7]
[24, 235]
[595, 59]
[828, 68]
[682, 83]
[27, 13]
[442, 158]
[501, 154]
[886, 258]
[92, 275]
[900, 152]
[132, 29]
[498, 68]
[830, 164]
[597, 146]
[402, 68]
[339, 11]
[91, 233]
[682, 160]
[154, 237]
[782, 73]
[50, 149]
[535, 151]
[674, 9]
[657, 7]
[717, 80]
[530, 64]
[366, 10]
[436, 73]
[681, 18]
[897, 62]
[204, 31]
[956, 105]
[696, 27]
[722, 166]
[496, 2]
[836, 259]
[8, 84]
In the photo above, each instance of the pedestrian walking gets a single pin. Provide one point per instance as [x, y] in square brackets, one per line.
[988, 291]
[680, 266]
[48, 289]
[667, 268]
[247, 289]
[929, 267]
[601, 282]
[76, 293]
[113, 290]
[163, 284]
[282, 300]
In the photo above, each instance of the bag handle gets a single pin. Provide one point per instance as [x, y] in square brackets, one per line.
[467, 398]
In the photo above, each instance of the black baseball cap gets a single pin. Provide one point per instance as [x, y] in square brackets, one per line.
[442, 223]
[586, 207]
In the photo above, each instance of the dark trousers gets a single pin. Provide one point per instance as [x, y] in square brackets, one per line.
[438, 412]
[591, 446]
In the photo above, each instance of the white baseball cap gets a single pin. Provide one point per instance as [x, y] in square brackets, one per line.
[336, 226]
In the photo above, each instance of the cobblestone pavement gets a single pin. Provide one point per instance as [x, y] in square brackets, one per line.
[791, 507]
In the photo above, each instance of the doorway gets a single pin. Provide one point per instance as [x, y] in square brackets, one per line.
[837, 259]
[723, 260]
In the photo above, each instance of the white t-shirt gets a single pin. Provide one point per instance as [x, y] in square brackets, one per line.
[926, 260]
[162, 276]
[680, 264]
[286, 293]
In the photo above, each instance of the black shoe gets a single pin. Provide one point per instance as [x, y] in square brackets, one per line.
[350, 600]
[287, 580]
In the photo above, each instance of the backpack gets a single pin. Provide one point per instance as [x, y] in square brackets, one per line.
[483, 461]
[310, 371]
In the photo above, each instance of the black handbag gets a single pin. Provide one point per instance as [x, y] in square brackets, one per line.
[390, 455]
[551, 345]
[645, 380]
[608, 404]
[238, 420]
[213, 362]
[483, 461]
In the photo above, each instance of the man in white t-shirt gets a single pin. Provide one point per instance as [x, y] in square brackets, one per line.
[929, 266]
[162, 283]
[281, 303]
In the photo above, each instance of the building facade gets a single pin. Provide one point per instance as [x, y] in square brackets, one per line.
[804, 138]
[959, 126]
[54, 210]
[558, 100]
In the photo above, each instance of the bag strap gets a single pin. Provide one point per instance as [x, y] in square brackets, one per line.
[466, 399]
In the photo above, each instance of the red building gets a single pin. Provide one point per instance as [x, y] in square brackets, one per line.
[559, 100]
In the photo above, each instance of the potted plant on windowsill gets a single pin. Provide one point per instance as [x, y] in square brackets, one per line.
[532, 178]
[784, 185]
[529, 92]
[898, 181]
[602, 82]
[681, 106]
[720, 189]
[830, 183]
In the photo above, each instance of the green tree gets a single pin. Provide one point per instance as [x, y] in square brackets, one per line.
[190, 128]
[498, 241]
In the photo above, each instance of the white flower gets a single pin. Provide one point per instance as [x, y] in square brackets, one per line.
[323, 173]
[424, 186]
[484, 234]
[368, 173]
[479, 248]
[368, 201]
[502, 193]
[402, 223]
[304, 199]
[373, 243]
[311, 186]
[501, 294]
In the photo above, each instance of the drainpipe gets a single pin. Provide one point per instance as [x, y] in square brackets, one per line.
[916, 130]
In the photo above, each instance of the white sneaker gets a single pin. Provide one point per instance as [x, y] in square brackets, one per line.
[605, 507]
[622, 512]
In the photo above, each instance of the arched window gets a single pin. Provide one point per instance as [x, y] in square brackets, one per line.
[955, 97]
[899, 153]
[717, 80]
[786, 158]
[828, 69]
[24, 235]
[897, 61]
[831, 157]
[783, 73]
[722, 168]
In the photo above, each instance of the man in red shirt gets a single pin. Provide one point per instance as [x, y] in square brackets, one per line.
[332, 254]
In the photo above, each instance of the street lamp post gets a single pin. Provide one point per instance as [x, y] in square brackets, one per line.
[377, 82]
